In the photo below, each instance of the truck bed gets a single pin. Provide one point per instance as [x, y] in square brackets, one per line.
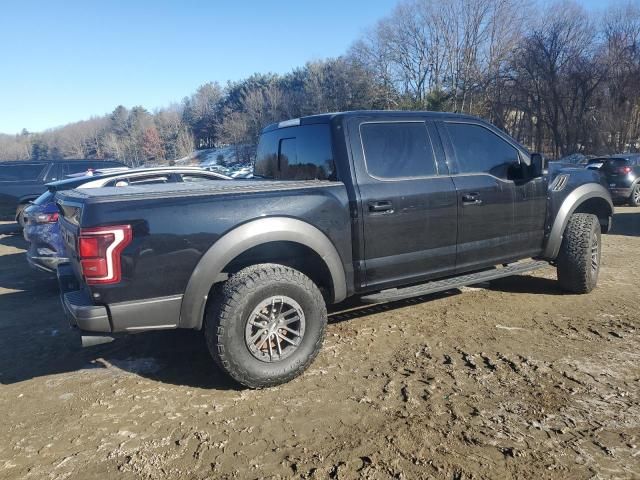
[175, 224]
[178, 190]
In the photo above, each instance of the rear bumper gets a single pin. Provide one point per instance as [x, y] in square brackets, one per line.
[83, 314]
[76, 303]
[136, 316]
[620, 193]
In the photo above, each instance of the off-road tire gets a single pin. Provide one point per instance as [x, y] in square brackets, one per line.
[634, 199]
[228, 313]
[575, 270]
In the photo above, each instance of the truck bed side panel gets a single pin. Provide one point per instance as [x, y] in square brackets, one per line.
[172, 234]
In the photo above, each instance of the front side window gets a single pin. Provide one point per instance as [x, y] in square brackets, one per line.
[397, 149]
[479, 150]
[296, 153]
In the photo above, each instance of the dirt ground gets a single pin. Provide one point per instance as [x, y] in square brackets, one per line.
[509, 380]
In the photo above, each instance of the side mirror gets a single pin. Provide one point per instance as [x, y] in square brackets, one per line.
[538, 164]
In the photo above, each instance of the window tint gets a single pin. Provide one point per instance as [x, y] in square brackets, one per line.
[397, 149]
[22, 172]
[480, 150]
[288, 155]
[296, 153]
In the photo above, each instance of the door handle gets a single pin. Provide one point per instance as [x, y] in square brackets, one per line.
[381, 206]
[471, 199]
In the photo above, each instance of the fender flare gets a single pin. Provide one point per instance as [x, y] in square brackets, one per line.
[569, 205]
[241, 239]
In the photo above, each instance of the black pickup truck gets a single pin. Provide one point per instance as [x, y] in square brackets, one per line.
[380, 205]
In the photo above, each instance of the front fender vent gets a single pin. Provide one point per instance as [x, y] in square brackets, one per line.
[559, 183]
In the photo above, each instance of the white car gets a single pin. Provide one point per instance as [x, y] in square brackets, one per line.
[146, 176]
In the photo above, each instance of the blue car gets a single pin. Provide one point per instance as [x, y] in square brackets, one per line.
[46, 249]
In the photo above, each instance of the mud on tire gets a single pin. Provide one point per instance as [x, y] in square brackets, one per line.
[246, 305]
[578, 261]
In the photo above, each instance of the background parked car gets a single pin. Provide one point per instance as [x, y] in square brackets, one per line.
[23, 181]
[575, 159]
[41, 229]
[621, 175]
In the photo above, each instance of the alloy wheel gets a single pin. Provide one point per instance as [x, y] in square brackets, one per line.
[275, 329]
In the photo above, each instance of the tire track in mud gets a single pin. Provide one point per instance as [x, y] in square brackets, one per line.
[520, 406]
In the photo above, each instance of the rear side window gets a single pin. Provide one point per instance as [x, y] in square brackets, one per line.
[21, 172]
[397, 149]
[479, 150]
[296, 153]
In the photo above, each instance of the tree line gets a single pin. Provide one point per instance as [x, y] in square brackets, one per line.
[557, 77]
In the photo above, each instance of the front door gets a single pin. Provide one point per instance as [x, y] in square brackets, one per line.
[408, 203]
[489, 198]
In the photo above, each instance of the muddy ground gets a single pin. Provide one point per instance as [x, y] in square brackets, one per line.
[510, 380]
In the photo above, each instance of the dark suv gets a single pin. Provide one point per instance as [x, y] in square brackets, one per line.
[621, 175]
[24, 181]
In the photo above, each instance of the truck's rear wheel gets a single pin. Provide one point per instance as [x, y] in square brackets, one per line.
[265, 325]
[579, 257]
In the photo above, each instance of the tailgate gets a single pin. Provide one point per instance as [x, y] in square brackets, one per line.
[69, 220]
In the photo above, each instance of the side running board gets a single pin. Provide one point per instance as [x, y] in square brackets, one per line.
[454, 282]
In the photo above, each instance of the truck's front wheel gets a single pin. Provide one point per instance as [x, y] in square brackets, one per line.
[265, 325]
[579, 257]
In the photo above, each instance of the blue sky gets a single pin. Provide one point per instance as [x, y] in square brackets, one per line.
[68, 60]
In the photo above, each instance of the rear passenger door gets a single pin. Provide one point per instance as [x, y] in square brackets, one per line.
[408, 201]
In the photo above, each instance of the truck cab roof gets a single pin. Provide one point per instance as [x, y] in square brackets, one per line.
[328, 117]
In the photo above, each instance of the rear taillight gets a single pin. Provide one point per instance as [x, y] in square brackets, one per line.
[99, 250]
[46, 217]
[624, 170]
